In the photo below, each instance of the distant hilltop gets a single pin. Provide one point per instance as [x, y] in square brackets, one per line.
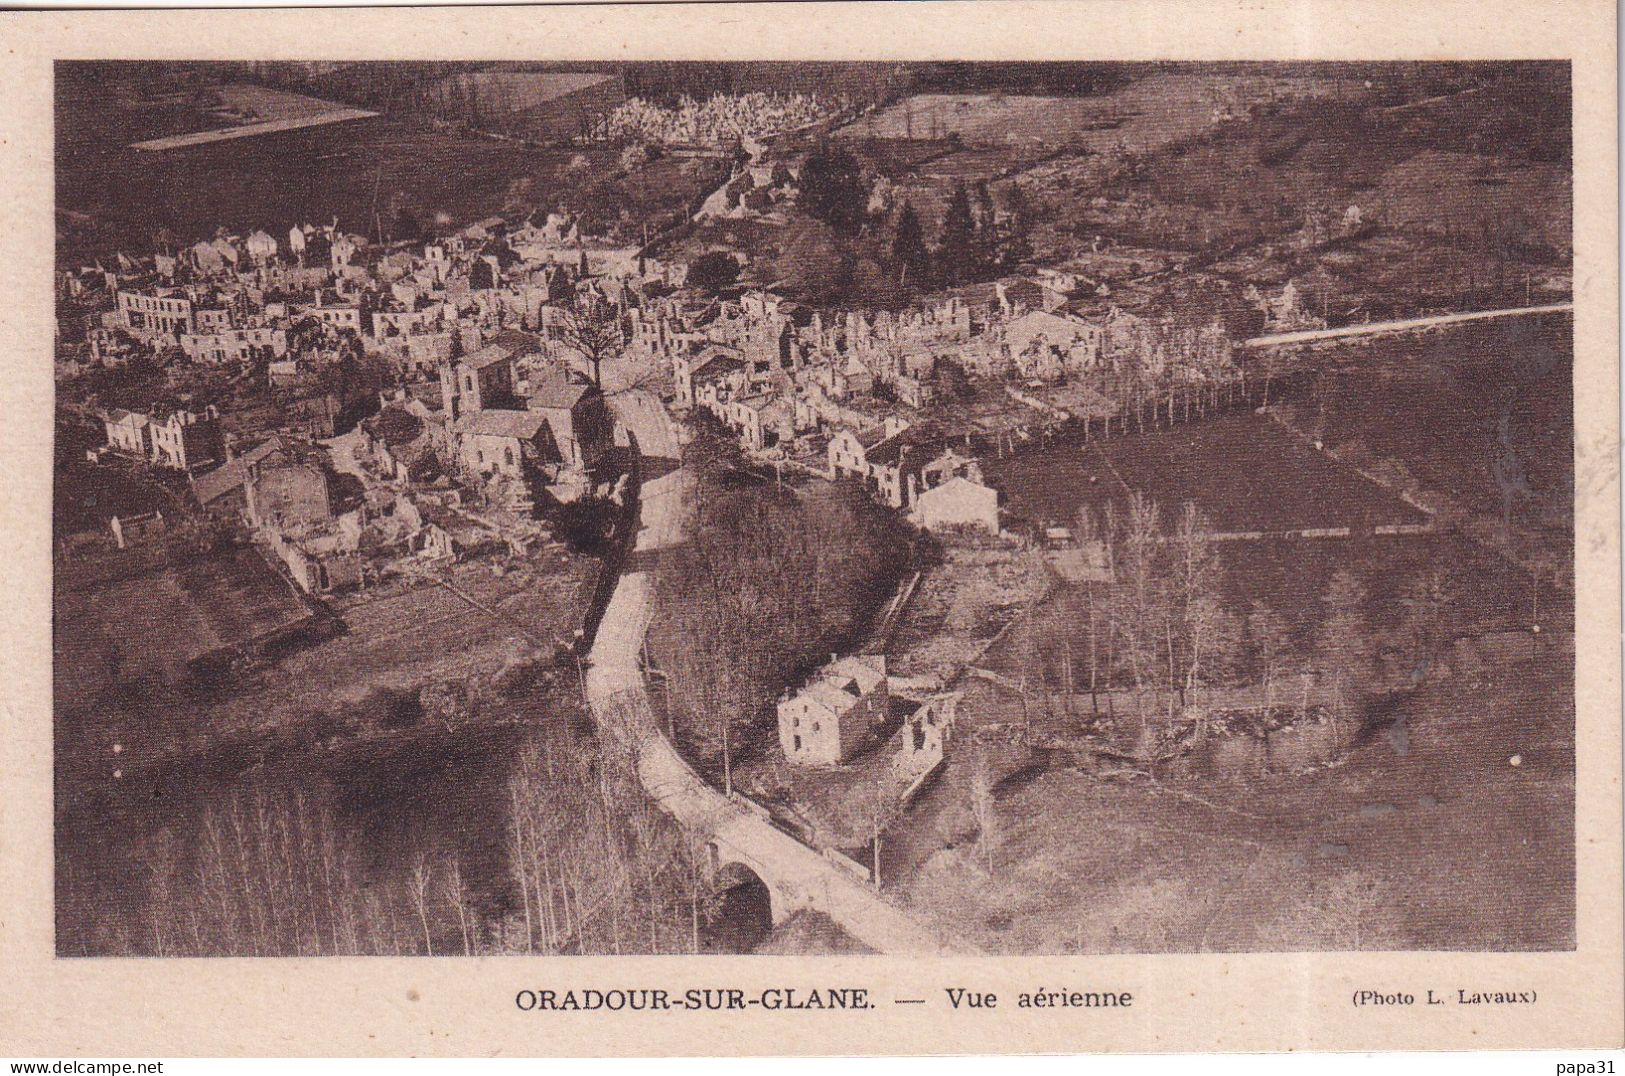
[536, 106]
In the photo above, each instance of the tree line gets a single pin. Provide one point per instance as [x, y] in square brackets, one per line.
[863, 244]
[560, 852]
[1165, 631]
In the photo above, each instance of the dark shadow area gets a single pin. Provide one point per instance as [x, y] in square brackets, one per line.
[744, 915]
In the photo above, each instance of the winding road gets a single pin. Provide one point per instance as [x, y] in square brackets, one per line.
[797, 876]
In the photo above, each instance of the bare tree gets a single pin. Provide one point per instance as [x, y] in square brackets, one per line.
[591, 327]
[161, 863]
[1345, 645]
[455, 893]
[1138, 611]
[704, 902]
[421, 873]
[601, 869]
[882, 809]
[518, 860]
[984, 806]
[1208, 634]
[1269, 644]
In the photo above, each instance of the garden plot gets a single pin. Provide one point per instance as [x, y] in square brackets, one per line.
[1244, 472]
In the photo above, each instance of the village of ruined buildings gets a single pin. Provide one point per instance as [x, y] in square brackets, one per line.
[570, 582]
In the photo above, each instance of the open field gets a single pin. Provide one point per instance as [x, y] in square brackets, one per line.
[274, 181]
[427, 633]
[315, 174]
[1445, 193]
[256, 110]
[338, 725]
[1005, 134]
[515, 91]
[1241, 470]
[1463, 202]
[1483, 414]
[252, 130]
[341, 724]
[155, 623]
[1143, 115]
[391, 639]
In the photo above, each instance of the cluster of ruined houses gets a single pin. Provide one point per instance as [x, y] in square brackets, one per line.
[760, 346]
[487, 395]
[289, 495]
[516, 438]
[477, 311]
[322, 293]
[471, 324]
[852, 384]
[784, 378]
[286, 491]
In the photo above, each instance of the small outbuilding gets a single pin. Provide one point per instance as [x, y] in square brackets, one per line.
[959, 502]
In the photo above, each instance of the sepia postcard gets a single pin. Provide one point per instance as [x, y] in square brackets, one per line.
[811, 529]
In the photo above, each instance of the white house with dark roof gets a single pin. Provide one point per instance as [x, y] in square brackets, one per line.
[129, 432]
[180, 439]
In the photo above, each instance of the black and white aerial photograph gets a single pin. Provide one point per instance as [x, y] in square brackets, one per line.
[798, 508]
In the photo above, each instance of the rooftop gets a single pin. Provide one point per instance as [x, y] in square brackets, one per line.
[488, 355]
[396, 426]
[215, 484]
[558, 394]
[523, 425]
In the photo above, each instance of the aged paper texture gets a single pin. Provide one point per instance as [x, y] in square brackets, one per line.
[810, 528]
